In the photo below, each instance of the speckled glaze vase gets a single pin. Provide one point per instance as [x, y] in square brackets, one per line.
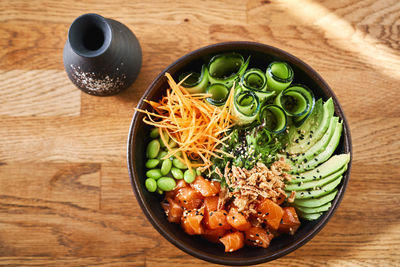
[101, 56]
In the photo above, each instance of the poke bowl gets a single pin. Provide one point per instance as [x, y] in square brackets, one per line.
[260, 56]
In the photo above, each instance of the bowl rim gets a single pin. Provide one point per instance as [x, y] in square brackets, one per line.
[297, 243]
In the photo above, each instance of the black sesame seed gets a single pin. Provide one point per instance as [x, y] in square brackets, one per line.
[220, 224]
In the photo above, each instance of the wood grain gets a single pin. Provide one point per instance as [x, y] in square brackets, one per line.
[65, 194]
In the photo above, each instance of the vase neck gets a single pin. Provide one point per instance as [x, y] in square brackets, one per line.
[90, 35]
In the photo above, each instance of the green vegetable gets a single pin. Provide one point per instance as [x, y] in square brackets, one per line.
[166, 183]
[310, 216]
[246, 107]
[179, 164]
[334, 164]
[326, 189]
[154, 173]
[152, 163]
[159, 191]
[273, 118]
[166, 166]
[151, 184]
[154, 133]
[166, 136]
[189, 176]
[322, 208]
[279, 76]
[219, 93]
[256, 81]
[162, 155]
[317, 202]
[227, 68]
[195, 83]
[177, 173]
[152, 149]
[297, 101]
[172, 143]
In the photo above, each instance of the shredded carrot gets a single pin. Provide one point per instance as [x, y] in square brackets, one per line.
[196, 126]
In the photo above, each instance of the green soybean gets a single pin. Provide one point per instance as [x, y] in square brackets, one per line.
[162, 154]
[172, 143]
[189, 176]
[159, 191]
[166, 137]
[166, 166]
[154, 173]
[198, 172]
[154, 133]
[179, 164]
[152, 163]
[151, 184]
[166, 183]
[177, 173]
[152, 149]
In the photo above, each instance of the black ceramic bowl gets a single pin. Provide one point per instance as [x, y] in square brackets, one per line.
[261, 56]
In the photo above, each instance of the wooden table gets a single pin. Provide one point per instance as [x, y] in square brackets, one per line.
[65, 195]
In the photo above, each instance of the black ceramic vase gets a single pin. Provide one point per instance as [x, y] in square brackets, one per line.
[101, 56]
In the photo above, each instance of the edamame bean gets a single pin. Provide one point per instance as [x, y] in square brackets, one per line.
[162, 154]
[198, 172]
[152, 163]
[166, 137]
[166, 183]
[172, 143]
[178, 154]
[151, 184]
[177, 173]
[154, 133]
[166, 166]
[179, 164]
[152, 149]
[154, 173]
[159, 191]
[189, 176]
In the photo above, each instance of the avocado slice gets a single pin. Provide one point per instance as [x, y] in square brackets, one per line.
[316, 148]
[305, 137]
[315, 202]
[310, 216]
[322, 208]
[324, 155]
[316, 183]
[313, 193]
[332, 165]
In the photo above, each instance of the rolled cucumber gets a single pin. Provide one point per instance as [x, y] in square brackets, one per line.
[195, 82]
[227, 68]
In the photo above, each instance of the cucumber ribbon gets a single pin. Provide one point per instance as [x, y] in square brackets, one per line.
[273, 118]
[255, 80]
[195, 82]
[227, 68]
[297, 101]
[245, 106]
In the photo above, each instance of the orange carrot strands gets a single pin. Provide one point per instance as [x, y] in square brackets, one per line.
[195, 125]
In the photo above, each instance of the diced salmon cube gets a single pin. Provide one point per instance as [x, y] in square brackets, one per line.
[205, 187]
[258, 237]
[290, 221]
[213, 235]
[232, 241]
[189, 198]
[238, 220]
[270, 212]
[217, 219]
[191, 221]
